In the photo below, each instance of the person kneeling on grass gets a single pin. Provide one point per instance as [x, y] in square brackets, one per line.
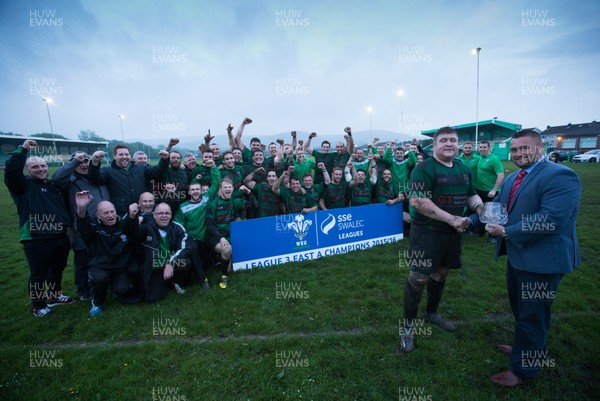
[221, 212]
[109, 249]
[164, 252]
[192, 215]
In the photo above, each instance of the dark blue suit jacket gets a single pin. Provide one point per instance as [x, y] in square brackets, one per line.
[541, 222]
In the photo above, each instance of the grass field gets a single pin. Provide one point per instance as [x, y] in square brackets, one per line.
[339, 340]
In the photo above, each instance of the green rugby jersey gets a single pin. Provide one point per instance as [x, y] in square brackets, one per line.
[295, 201]
[361, 194]
[335, 195]
[258, 177]
[246, 155]
[236, 175]
[205, 173]
[281, 166]
[307, 166]
[315, 192]
[488, 169]
[192, 215]
[223, 212]
[400, 169]
[386, 190]
[447, 187]
[471, 162]
[268, 201]
[327, 160]
[362, 165]
[339, 161]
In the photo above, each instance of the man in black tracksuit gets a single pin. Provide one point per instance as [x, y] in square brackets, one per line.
[165, 252]
[125, 180]
[43, 223]
[109, 249]
[72, 178]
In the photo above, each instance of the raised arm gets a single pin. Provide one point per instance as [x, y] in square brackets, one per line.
[307, 144]
[326, 177]
[238, 136]
[158, 170]
[13, 174]
[95, 174]
[279, 154]
[294, 141]
[230, 136]
[251, 201]
[82, 220]
[207, 138]
[349, 140]
[249, 179]
[372, 170]
[350, 174]
[172, 142]
[276, 187]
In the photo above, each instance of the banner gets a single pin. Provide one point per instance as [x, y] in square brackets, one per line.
[270, 241]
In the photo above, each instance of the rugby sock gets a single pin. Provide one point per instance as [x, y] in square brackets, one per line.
[434, 294]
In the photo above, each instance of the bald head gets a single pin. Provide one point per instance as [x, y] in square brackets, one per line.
[37, 168]
[106, 213]
[146, 202]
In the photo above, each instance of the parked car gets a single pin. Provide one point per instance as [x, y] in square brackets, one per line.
[563, 155]
[591, 156]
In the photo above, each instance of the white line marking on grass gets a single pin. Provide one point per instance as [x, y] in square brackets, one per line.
[197, 340]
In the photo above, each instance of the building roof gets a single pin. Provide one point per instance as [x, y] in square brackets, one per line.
[58, 140]
[581, 129]
[489, 125]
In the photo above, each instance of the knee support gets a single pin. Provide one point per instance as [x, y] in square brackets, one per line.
[440, 275]
[417, 280]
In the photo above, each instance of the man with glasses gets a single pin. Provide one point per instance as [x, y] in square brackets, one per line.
[165, 252]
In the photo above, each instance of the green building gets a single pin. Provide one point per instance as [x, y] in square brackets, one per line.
[496, 132]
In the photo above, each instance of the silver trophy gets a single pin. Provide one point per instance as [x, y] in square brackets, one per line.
[494, 213]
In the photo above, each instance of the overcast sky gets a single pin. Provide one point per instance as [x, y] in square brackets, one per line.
[177, 68]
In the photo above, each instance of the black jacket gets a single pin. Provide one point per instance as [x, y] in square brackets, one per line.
[148, 237]
[125, 185]
[109, 247]
[41, 205]
[71, 182]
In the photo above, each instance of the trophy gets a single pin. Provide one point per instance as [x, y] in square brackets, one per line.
[494, 213]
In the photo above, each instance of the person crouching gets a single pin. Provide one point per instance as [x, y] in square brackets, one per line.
[109, 249]
[164, 253]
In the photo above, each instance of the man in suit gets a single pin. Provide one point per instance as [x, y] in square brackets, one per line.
[540, 240]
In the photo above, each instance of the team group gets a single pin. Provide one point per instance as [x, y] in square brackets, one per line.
[140, 229]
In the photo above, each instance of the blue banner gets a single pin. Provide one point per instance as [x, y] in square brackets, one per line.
[270, 241]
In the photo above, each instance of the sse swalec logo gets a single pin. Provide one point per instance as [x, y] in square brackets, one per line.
[328, 224]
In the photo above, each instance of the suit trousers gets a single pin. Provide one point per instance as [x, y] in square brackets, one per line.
[531, 296]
